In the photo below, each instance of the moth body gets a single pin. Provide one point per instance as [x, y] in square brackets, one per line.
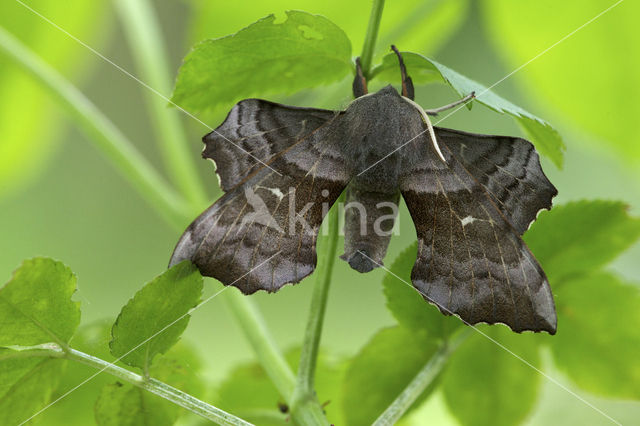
[377, 126]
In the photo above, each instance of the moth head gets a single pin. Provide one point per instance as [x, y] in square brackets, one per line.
[374, 110]
[386, 91]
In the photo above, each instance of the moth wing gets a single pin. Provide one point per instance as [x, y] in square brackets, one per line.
[262, 234]
[254, 132]
[509, 170]
[471, 260]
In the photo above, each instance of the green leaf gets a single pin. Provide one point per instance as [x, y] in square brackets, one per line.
[598, 94]
[425, 70]
[26, 385]
[23, 101]
[403, 22]
[264, 58]
[260, 406]
[36, 306]
[485, 384]
[381, 370]
[598, 340]
[155, 318]
[126, 404]
[93, 338]
[76, 409]
[35, 309]
[180, 367]
[418, 66]
[408, 306]
[580, 237]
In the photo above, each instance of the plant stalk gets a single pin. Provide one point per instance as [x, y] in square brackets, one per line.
[154, 386]
[420, 382]
[371, 36]
[305, 404]
[106, 136]
[305, 384]
[145, 39]
[255, 330]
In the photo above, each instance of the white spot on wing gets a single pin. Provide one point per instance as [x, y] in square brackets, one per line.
[275, 191]
[467, 220]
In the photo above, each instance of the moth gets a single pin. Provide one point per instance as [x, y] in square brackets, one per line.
[470, 196]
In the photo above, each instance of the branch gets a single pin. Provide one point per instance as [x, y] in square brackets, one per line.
[259, 337]
[106, 136]
[304, 394]
[371, 36]
[305, 408]
[146, 41]
[309, 355]
[420, 382]
[154, 386]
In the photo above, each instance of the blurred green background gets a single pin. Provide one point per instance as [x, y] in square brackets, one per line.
[59, 197]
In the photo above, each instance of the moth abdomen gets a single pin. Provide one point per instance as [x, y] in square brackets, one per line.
[369, 223]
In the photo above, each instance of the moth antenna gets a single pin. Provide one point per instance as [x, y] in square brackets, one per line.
[407, 83]
[466, 99]
[432, 133]
[359, 82]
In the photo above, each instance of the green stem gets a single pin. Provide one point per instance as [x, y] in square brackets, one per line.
[412, 19]
[371, 36]
[308, 413]
[154, 386]
[107, 137]
[260, 339]
[420, 382]
[145, 39]
[304, 394]
[305, 407]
